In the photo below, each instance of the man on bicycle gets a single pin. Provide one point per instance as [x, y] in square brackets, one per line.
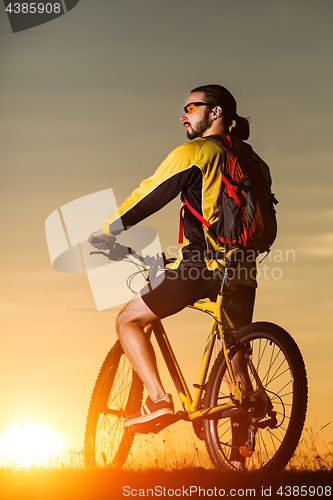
[194, 171]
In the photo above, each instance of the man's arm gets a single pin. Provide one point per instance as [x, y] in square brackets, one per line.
[153, 193]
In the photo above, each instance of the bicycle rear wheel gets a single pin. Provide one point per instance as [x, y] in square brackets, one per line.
[280, 367]
[117, 393]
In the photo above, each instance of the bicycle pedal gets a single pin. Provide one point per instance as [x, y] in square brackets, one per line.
[245, 451]
[155, 426]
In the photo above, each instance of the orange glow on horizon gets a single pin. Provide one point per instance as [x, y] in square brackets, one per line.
[30, 443]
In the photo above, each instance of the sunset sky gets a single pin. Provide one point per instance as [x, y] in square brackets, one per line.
[91, 101]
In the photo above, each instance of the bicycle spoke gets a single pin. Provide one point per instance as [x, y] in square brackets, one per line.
[267, 350]
[118, 391]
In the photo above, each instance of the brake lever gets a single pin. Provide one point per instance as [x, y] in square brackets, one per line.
[118, 252]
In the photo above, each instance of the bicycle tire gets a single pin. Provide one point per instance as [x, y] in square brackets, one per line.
[281, 369]
[117, 393]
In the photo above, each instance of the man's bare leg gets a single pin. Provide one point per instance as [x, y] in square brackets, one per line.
[137, 346]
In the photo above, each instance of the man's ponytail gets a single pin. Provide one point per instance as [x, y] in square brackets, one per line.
[240, 128]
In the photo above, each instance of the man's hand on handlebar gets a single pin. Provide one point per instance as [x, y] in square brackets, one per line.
[101, 241]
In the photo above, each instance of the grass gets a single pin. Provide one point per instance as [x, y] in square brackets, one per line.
[160, 465]
[168, 452]
[33, 484]
[313, 453]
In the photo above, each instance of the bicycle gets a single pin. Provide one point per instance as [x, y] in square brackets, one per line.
[273, 409]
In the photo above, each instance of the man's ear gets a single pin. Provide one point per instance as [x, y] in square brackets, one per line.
[217, 112]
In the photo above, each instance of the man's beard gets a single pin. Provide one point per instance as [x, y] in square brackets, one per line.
[200, 128]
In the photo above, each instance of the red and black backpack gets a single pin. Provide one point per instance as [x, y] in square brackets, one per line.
[247, 217]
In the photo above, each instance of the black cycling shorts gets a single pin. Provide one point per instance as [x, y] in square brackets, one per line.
[181, 287]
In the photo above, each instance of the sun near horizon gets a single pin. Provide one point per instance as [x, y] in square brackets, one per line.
[30, 442]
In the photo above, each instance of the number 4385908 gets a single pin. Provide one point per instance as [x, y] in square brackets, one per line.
[304, 491]
[33, 8]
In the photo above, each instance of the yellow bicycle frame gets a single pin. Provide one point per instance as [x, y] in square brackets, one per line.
[192, 406]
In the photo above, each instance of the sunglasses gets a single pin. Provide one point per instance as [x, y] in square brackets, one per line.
[194, 106]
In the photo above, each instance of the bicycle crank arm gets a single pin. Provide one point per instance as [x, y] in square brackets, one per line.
[229, 413]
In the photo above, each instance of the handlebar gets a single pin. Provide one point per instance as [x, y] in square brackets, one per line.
[150, 266]
[119, 252]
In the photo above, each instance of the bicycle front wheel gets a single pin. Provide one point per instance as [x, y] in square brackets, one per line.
[277, 361]
[118, 393]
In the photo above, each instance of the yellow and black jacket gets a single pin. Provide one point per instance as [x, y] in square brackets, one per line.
[193, 170]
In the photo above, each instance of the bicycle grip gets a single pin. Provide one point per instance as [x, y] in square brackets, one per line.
[96, 241]
[93, 240]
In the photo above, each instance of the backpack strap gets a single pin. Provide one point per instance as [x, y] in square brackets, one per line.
[198, 216]
[195, 213]
[181, 225]
[231, 188]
